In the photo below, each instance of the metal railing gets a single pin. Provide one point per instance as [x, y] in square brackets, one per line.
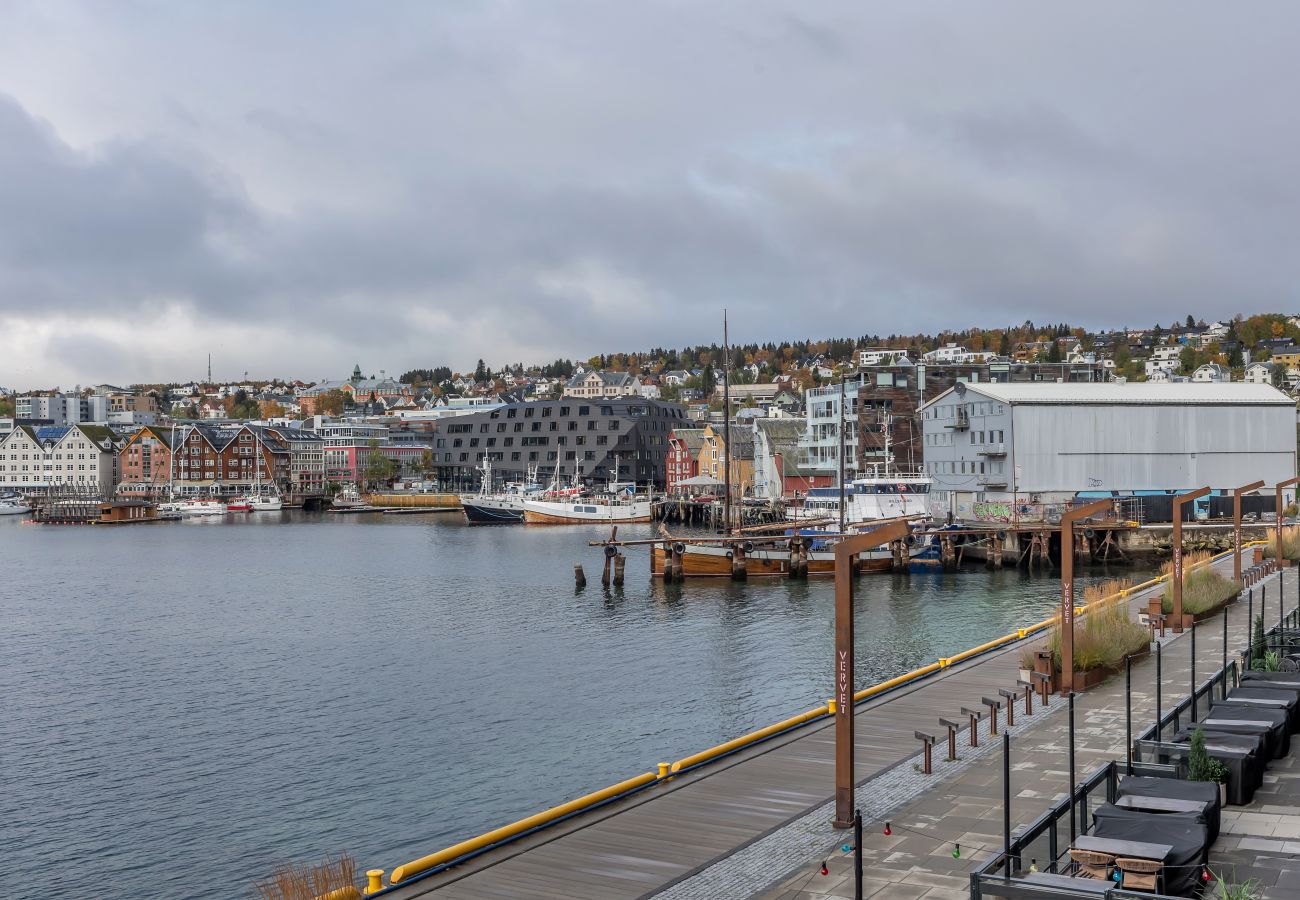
[1038, 846]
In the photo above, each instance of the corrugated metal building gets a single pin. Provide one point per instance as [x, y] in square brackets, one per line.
[1009, 451]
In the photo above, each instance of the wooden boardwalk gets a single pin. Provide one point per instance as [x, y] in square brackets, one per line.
[638, 846]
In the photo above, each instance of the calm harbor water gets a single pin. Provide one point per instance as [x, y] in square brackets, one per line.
[187, 704]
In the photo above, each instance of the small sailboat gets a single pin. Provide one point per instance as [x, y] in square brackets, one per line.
[260, 500]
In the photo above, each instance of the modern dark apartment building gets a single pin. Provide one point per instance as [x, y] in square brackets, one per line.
[594, 440]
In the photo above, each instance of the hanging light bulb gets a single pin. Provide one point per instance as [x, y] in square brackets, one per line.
[888, 830]
[824, 870]
[1116, 875]
[846, 848]
[1206, 874]
[956, 851]
[1033, 865]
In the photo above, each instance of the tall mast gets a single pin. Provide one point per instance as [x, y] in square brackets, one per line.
[842, 443]
[726, 422]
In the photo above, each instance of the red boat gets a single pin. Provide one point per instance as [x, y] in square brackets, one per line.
[239, 504]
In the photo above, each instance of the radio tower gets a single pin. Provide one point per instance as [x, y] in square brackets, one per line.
[209, 368]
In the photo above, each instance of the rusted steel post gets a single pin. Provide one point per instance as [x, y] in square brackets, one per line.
[846, 552]
[1282, 561]
[1236, 525]
[1067, 586]
[1177, 577]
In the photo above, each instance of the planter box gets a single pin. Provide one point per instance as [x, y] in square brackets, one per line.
[1090, 679]
[1216, 609]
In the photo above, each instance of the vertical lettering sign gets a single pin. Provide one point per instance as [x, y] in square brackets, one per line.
[842, 683]
[1067, 605]
[1178, 563]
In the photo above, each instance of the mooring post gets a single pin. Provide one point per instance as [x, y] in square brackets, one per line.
[619, 562]
[579, 578]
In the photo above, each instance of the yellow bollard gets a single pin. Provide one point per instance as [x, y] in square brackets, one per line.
[375, 881]
[664, 769]
[832, 707]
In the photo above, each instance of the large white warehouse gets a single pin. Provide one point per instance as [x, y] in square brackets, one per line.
[1017, 450]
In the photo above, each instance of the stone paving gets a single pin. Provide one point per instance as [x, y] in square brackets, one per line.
[1261, 842]
[961, 804]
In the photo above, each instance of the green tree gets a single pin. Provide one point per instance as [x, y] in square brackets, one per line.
[1187, 361]
[426, 461]
[379, 468]
[6, 407]
[1235, 359]
[331, 403]
[1004, 344]
[1054, 352]
[1191, 321]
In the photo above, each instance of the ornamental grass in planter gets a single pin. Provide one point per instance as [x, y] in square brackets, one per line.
[1205, 590]
[1103, 636]
[1290, 542]
[306, 882]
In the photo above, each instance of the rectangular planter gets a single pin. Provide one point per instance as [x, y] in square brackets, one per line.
[1090, 679]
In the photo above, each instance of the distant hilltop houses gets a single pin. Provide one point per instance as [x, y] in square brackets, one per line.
[660, 415]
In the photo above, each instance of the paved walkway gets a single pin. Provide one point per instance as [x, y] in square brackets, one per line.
[965, 806]
[736, 828]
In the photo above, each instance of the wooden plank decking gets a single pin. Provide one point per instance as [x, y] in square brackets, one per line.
[641, 845]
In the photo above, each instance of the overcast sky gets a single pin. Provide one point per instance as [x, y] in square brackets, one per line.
[295, 187]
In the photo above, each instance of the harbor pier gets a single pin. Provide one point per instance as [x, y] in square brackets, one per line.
[748, 816]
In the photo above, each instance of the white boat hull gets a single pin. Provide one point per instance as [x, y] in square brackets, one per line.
[571, 512]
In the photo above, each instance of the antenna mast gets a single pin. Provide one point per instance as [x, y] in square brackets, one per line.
[726, 422]
[841, 454]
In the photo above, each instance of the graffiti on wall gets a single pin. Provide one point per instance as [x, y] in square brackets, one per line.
[991, 511]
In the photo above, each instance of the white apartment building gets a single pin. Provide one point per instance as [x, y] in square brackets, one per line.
[821, 441]
[1164, 358]
[77, 457]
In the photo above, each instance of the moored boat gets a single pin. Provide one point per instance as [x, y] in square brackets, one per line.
[13, 506]
[611, 508]
[239, 504]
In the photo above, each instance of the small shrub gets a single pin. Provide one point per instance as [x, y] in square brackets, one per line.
[1028, 658]
[1257, 645]
[1200, 765]
[306, 882]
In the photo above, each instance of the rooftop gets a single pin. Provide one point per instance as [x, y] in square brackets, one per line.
[1145, 394]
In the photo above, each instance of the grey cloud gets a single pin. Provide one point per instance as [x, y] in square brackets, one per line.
[832, 170]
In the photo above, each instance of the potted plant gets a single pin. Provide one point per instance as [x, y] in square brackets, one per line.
[1203, 767]
[1247, 890]
[1028, 656]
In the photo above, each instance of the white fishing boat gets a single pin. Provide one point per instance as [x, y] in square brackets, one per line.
[503, 507]
[193, 508]
[349, 500]
[620, 504]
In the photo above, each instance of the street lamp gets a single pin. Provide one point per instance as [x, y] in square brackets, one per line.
[1067, 586]
[1178, 553]
[1236, 525]
[846, 552]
